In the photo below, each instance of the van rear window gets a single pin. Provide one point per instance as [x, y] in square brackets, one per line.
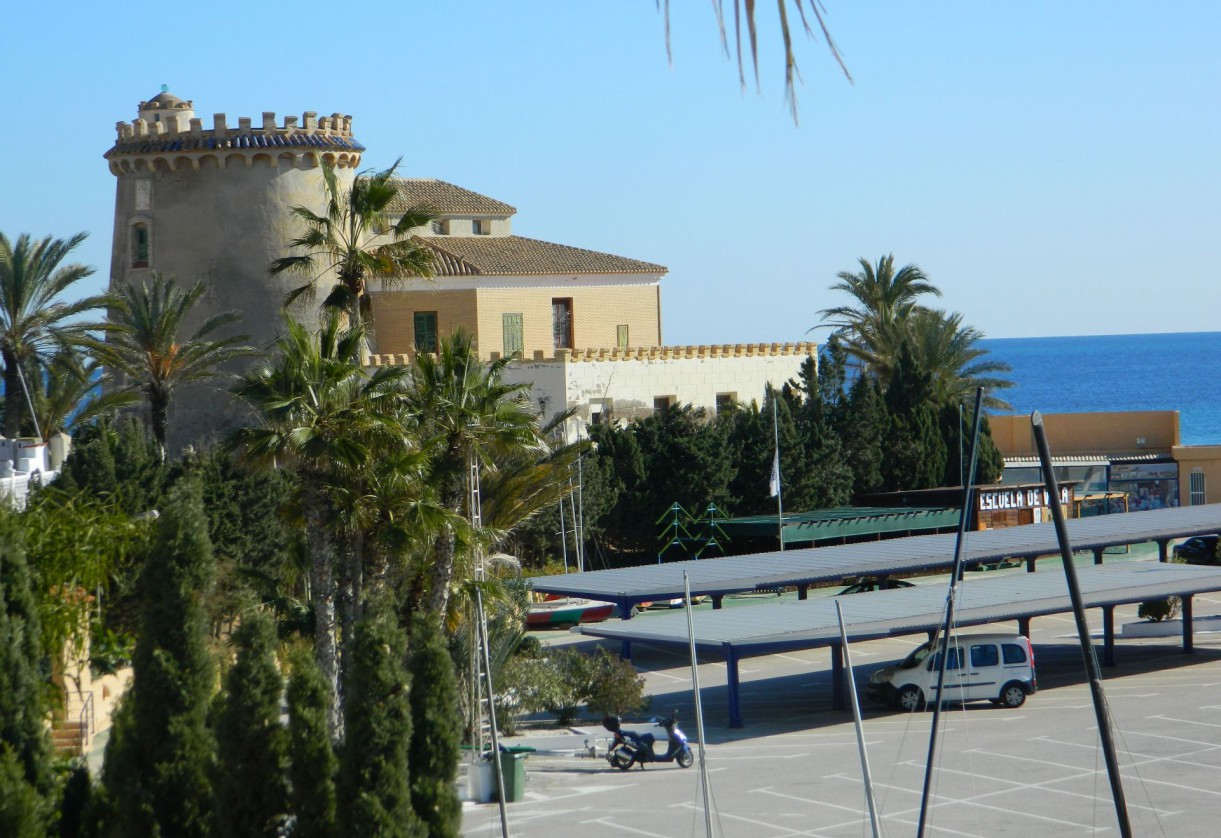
[1014, 653]
[984, 654]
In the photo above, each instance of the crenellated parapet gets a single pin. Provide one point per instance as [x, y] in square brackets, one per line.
[643, 353]
[678, 353]
[164, 145]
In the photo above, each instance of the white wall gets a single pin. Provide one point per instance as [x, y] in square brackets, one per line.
[629, 386]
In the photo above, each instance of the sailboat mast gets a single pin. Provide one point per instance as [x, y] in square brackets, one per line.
[955, 574]
[776, 474]
[860, 727]
[1092, 669]
[699, 710]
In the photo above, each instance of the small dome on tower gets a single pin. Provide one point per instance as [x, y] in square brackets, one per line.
[166, 107]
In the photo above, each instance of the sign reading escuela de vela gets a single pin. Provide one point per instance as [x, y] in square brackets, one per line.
[1019, 498]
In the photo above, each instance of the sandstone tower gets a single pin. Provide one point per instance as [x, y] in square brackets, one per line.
[214, 205]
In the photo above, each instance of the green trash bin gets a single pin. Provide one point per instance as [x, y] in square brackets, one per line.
[513, 767]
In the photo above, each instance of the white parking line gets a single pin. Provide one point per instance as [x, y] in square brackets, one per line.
[607, 821]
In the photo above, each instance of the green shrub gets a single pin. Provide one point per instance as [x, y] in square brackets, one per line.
[109, 650]
[1156, 610]
[527, 686]
[614, 687]
[560, 681]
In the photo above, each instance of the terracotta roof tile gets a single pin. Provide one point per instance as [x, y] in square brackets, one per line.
[445, 198]
[517, 256]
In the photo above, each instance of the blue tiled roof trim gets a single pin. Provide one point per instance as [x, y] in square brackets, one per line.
[255, 139]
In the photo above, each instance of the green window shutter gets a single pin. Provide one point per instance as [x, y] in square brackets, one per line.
[621, 339]
[425, 331]
[513, 342]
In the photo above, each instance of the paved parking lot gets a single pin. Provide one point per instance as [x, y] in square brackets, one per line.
[794, 769]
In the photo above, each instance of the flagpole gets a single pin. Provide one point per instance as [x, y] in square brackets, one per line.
[776, 475]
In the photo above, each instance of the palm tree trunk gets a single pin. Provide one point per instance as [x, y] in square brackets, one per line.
[351, 593]
[159, 410]
[442, 572]
[322, 589]
[444, 550]
[13, 395]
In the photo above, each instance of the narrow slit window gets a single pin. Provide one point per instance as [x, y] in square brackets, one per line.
[139, 246]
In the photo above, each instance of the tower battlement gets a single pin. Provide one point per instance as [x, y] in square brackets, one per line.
[310, 124]
[167, 136]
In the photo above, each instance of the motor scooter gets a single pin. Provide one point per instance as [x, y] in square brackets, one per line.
[629, 748]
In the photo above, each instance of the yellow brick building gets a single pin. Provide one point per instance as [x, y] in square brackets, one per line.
[514, 294]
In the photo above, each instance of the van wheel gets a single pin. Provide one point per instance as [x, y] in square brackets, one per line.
[910, 698]
[1013, 695]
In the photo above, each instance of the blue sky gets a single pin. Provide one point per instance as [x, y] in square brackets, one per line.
[1051, 166]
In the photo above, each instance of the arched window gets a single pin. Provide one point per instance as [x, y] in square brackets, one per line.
[139, 246]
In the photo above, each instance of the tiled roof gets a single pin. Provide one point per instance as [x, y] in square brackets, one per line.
[514, 255]
[255, 139]
[445, 198]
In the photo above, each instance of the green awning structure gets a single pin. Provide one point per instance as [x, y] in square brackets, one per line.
[842, 524]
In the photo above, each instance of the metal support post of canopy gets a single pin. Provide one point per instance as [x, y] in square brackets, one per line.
[1108, 635]
[1188, 629]
[734, 692]
[838, 685]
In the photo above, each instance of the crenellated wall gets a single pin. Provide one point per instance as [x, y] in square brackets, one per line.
[641, 353]
[163, 145]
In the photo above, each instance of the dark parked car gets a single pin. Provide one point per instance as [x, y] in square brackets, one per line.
[864, 586]
[1199, 550]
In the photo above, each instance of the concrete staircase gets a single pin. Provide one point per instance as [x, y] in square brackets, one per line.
[73, 728]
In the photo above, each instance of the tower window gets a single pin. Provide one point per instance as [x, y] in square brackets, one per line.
[139, 246]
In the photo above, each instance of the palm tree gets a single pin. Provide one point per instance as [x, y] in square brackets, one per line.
[342, 241]
[147, 344]
[873, 330]
[324, 416]
[744, 16]
[33, 322]
[947, 350]
[476, 419]
[75, 389]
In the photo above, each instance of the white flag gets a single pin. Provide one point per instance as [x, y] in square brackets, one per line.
[774, 483]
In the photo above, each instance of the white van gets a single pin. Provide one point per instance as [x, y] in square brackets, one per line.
[996, 667]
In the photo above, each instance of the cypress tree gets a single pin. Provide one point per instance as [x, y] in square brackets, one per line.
[436, 731]
[251, 745]
[22, 685]
[312, 763]
[157, 759]
[90, 467]
[76, 806]
[915, 450]
[750, 440]
[860, 424]
[22, 809]
[375, 784]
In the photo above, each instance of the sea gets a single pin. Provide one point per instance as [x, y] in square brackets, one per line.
[1103, 373]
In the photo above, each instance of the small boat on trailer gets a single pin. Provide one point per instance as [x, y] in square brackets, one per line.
[567, 611]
